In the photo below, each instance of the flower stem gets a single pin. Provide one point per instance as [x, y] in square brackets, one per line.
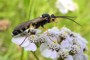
[35, 55]
[22, 53]
[28, 58]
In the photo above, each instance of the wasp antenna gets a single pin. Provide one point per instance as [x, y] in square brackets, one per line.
[74, 21]
[68, 17]
[65, 17]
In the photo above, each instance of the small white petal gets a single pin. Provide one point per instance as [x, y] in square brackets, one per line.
[46, 53]
[81, 38]
[31, 47]
[72, 7]
[43, 46]
[63, 10]
[80, 57]
[18, 40]
[66, 45]
[69, 58]
[54, 55]
[85, 57]
[65, 29]
[54, 31]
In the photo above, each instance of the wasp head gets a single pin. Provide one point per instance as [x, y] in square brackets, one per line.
[52, 18]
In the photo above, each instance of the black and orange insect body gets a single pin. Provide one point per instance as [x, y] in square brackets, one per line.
[38, 22]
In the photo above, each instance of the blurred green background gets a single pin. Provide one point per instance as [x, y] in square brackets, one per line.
[18, 11]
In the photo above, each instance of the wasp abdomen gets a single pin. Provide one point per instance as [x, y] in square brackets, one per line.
[21, 28]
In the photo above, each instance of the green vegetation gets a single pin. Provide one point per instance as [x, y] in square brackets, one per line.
[18, 11]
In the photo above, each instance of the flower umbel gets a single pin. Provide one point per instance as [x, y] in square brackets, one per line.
[55, 43]
[63, 44]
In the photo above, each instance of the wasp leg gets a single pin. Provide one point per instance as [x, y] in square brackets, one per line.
[29, 31]
[49, 36]
[42, 26]
[24, 40]
[45, 29]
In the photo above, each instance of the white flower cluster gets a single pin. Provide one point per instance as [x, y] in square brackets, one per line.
[65, 6]
[55, 43]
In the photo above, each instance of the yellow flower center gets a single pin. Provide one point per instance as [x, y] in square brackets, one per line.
[55, 41]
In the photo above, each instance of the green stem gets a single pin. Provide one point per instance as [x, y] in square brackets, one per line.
[28, 58]
[22, 53]
[29, 11]
[35, 55]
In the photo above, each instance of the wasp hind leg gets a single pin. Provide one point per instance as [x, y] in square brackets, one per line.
[23, 40]
[26, 36]
[46, 29]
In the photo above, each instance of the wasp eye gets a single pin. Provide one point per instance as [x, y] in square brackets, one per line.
[53, 19]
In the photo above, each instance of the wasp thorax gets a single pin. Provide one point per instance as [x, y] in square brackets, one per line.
[45, 15]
